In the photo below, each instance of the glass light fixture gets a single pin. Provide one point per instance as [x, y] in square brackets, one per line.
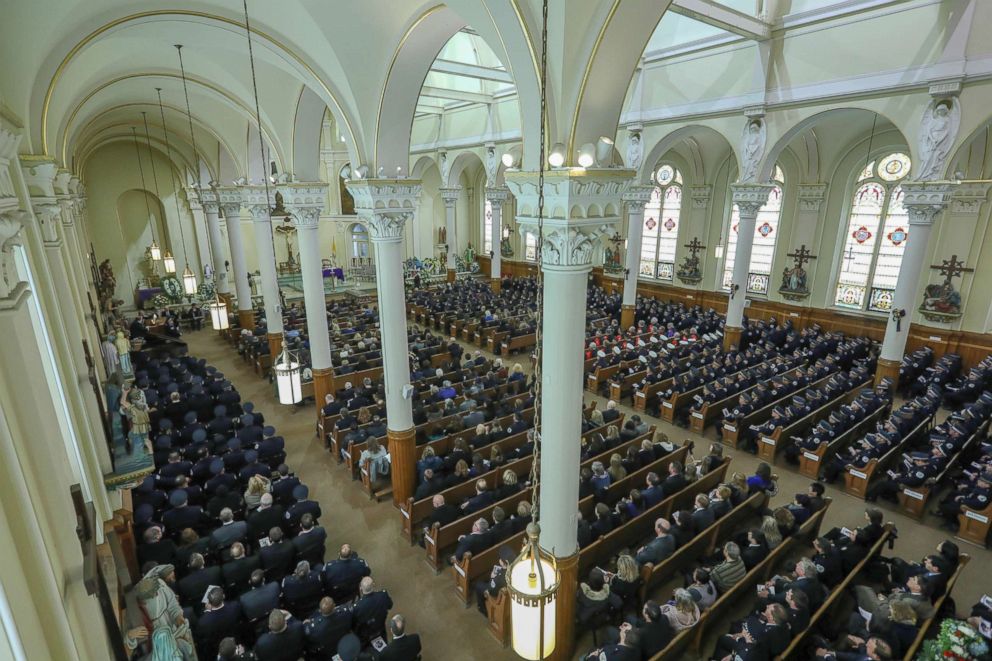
[557, 156]
[509, 160]
[287, 371]
[189, 282]
[170, 262]
[218, 315]
[718, 250]
[532, 581]
[587, 155]
[604, 151]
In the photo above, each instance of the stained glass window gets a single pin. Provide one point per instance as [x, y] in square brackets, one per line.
[660, 234]
[763, 244]
[875, 239]
[487, 228]
[530, 247]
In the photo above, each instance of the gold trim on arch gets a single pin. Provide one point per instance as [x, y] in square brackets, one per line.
[59, 70]
[145, 74]
[389, 75]
[121, 106]
[585, 79]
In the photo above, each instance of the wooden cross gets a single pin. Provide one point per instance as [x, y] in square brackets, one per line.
[802, 255]
[694, 246]
[951, 268]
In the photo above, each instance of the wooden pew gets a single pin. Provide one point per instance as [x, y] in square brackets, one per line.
[642, 396]
[928, 624]
[828, 609]
[732, 431]
[717, 615]
[517, 342]
[857, 480]
[699, 420]
[973, 526]
[770, 445]
[913, 501]
[811, 461]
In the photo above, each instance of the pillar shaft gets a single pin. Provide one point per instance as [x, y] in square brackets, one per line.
[749, 199]
[496, 198]
[636, 198]
[211, 210]
[259, 202]
[924, 202]
[450, 197]
[230, 200]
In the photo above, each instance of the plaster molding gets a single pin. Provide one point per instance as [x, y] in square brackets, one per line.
[967, 200]
[450, 195]
[9, 142]
[304, 202]
[700, 196]
[210, 200]
[924, 200]
[811, 196]
[637, 197]
[497, 196]
[749, 198]
[11, 224]
[385, 205]
[39, 175]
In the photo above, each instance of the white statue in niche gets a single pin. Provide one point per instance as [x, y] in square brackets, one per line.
[938, 128]
[492, 164]
[445, 168]
[752, 149]
[635, 150]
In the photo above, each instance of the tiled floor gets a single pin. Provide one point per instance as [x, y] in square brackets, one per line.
[448, 630]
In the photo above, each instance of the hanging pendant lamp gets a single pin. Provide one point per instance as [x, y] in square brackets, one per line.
[532, 580]
[287, 366]
[189, 278]
[154, 249]
[169, 262]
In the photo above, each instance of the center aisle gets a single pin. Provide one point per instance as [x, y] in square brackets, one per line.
[447, 630]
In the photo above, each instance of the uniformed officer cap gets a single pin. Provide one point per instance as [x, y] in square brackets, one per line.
[919, 456]
[220, 410]
[196, 390]
[779, 410]
[143, 513]
[190, 417]
[349, 647]
[601, 354]
[616, 350]
[247, 419]
[216, 466]
[654, 339]
[199, 435]
[300, 492]
[210, 369]
[163, 442]
[234, 445]
[178, 498]
[248, 407]
[172, 387]
[268, 430]
[251, 456]
[219, 376]
[147, 485]
[825, 426]
[798, 401]
[643, 359]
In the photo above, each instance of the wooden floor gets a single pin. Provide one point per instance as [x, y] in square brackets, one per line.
[447, 629]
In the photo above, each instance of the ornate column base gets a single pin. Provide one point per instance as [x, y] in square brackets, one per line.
[451, 275]
[627, 316]
[323, 380]
[565, 608]
[496, 284]
[887, 368]
[275, 345]
[246, 319]
[731, 336]
[403, 458]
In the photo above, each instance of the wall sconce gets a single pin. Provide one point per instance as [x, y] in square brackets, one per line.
[734, 289]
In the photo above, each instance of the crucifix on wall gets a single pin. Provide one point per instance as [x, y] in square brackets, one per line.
[941, 302]
[689, 271]
[795, 280]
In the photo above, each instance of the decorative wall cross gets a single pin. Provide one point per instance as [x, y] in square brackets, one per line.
[801, 255]
[694, 246]
[951, 268]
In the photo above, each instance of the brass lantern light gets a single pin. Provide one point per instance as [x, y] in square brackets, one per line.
[532, 581]
[189, 282]
[155, 251]
[169, 262]
[287, 371]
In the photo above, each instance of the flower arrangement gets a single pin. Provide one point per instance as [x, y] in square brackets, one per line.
[957, 641]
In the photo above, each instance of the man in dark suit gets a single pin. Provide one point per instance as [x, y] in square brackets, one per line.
[193, 586]
[237, 571]
[403, 646]
[220, 619]
[342, 575]
[278, 558]
[284, 641]
[267, 516]
[675, 481]
[156, 547]
[702, 517]
[482, 498]
[309, 543]
[261, 597]
[326, 627]
[371, 608]
[474, 542]
[303, 505]
[654, 630]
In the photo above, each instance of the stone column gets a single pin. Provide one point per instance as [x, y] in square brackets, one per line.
[304, 202]
[230, 202]
[450, 197]
[385, 206]
[199, 230]
[255, 200]
[749, 199]
[496, 197]
[567, 253]
[636, 198]
[211, 210]
[924, 201]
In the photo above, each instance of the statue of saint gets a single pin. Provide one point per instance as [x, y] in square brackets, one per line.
[938, 128]
[752, 148]
[635, 150]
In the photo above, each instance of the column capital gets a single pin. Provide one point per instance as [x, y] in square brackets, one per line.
[496, 196]
[384, 205]
[210, 200]
[194, 198]
[749, 198]
[229, 198]
[259, 200]
[700, 196]
[924, 200]
[39, 175]
[304, 202]
[47, 211]
[969, 197]
[11, 223]
[638, 196]
[811, 196]
[581, 206]
[68, 206]
[450, 195]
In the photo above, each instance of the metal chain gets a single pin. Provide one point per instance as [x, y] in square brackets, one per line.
[141, 171]
[172, 175]
[538, 334]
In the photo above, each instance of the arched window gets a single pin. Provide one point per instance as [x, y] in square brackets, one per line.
[660, 236]
[487, 228]
[763, 244]
[359, 241]
[875, 238]
[530, 247]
